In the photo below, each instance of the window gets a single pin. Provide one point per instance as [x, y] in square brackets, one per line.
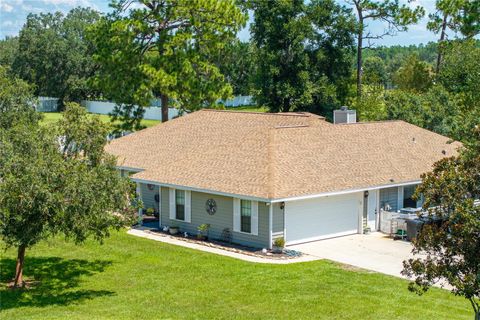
[408, 201]
[180, 204]
[246, 216]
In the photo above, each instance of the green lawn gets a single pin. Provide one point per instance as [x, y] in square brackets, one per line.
[133, 278]
[249, 109]
[52, 117]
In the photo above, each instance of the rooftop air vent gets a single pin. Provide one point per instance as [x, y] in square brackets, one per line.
[344, 115]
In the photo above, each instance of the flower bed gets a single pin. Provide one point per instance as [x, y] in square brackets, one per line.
[232, 247]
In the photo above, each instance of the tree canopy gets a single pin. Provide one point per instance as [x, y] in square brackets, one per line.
[303, 54]
[16, 101]
[59, 181]
[55, 56]
[165, 49]
[451, 245]
[396, 18]
[413, 75]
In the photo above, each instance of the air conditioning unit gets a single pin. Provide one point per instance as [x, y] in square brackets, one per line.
[344, 115]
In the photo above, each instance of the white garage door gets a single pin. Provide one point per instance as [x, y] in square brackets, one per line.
[321, 218]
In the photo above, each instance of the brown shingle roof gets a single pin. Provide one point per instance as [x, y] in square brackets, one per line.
[274, 156]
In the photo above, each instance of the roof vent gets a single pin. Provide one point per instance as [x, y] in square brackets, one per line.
[344, 115]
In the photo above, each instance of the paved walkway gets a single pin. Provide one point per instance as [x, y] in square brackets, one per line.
[374, 252]
[143, 233]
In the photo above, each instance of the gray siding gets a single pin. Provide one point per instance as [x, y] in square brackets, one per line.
[222, 219]
[390, 196]
[277, 219]
[148, 197]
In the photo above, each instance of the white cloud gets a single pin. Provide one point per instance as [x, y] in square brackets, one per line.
[5, 7]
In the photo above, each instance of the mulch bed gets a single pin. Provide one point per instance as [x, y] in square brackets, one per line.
[232, 247]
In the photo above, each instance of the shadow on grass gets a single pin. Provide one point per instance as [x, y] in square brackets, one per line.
[55, 280]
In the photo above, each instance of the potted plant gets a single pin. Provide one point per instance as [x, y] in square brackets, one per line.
[174, 230]
[203, 231]
[150, 212]
[278, 245]
[366, 230]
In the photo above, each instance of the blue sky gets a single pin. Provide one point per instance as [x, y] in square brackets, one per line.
[14, 12]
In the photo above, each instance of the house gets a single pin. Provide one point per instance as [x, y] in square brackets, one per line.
[266, 175]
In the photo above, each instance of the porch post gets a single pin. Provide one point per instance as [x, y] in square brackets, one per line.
[140, 210]
[400, 198]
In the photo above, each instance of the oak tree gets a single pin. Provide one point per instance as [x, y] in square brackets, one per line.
[59, 181]
[54, 55]
[303, 54]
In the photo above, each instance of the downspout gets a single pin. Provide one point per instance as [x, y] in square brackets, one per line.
[284, 223]
[139, 195]
[270, 224]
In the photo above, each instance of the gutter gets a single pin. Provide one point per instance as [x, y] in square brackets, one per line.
[347, 191]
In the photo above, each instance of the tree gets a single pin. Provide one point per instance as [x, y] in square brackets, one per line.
[413, 75]
[8, 51]
[303, 54]
[371, 106]
[166, 48]
[460, 16]
[236, 63]
[54, 55]
[374, 71]
[435, 109]
[460, 75]
[16, 101]
[397, 18]
[451, 244]
[59, 181]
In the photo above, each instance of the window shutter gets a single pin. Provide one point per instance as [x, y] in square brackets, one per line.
[188, 206]
[172, 203]
[255, 218]
[236, 215]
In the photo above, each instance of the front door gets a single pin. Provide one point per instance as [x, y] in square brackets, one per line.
[372, 209]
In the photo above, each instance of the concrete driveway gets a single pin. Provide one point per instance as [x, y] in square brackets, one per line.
[374, 252]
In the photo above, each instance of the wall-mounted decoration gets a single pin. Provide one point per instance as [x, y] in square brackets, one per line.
[211, 206]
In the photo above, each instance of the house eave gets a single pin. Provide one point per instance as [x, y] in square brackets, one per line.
[220, 193]
[347, 191]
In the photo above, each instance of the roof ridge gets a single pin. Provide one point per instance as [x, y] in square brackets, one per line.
[372, 122]
[288, 114]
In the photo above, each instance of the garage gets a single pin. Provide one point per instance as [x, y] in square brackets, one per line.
[322, 218]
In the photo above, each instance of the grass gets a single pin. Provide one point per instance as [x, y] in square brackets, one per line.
[135, 278]
[52, 117]
[249, 109]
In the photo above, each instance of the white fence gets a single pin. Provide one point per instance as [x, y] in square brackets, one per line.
[105, 107]
[47, 104]
[238, 101]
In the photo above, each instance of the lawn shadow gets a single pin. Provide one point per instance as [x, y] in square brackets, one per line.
[55, 282]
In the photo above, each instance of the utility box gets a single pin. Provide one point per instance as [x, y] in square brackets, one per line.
[344, 115]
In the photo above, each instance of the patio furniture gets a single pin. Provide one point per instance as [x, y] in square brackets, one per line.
[400, 234]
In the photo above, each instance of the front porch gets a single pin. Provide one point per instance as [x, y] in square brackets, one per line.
[187, 210]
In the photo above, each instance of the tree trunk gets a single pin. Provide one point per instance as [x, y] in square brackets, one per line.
[164, 100]
[442, 38]
[359, 55]
[19, 268]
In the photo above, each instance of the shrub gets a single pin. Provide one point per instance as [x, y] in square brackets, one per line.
[279, 242]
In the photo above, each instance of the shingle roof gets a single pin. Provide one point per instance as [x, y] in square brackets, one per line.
[281, 155]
